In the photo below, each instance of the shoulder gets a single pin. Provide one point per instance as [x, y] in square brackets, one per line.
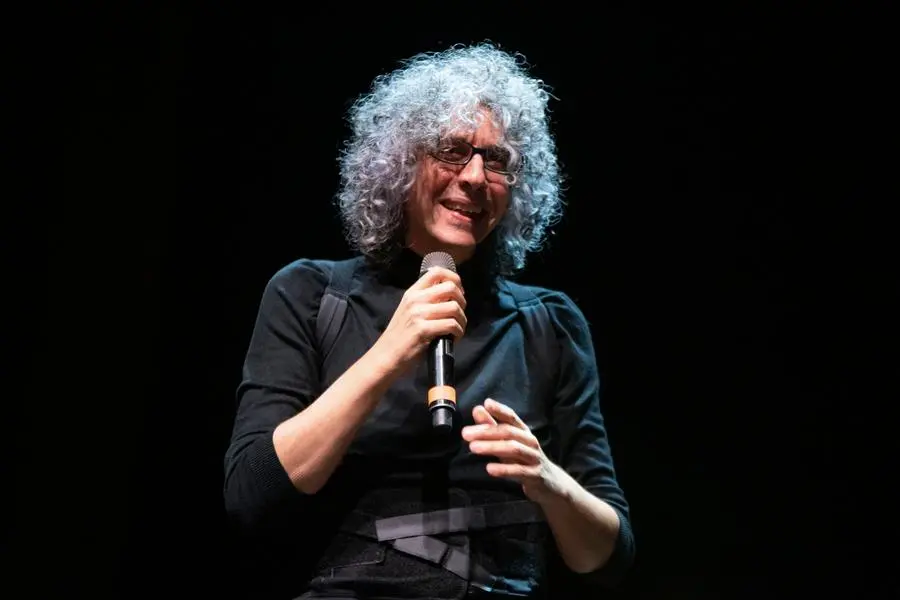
[309, 275]
[302, 274]
[299, 286]
[564, 311]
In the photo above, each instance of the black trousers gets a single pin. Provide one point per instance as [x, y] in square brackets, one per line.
[473, 593]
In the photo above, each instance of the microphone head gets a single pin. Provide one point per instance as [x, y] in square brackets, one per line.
[437, 259]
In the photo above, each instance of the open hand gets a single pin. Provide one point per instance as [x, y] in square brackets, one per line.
[500, 432]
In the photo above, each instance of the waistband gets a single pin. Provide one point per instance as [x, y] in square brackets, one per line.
[413, 534]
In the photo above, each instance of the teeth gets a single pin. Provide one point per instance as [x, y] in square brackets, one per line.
[463, 209]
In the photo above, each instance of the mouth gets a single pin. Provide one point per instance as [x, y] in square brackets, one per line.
[463, 210]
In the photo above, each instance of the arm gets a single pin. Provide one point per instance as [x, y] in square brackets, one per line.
[311, 444]
[584, 526]
[584, 456]
[280, 379]
[579, 494]
[283, 441]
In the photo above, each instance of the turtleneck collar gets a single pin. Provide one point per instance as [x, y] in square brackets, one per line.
[477, 277]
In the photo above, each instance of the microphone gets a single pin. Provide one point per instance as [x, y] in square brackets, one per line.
[441, 393]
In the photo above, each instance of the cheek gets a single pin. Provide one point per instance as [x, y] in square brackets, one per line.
[438, 181]
[501, 203]
[420, 195]
[430, 184]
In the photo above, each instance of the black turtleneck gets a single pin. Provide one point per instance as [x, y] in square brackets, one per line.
[478, 279]
[396, 448]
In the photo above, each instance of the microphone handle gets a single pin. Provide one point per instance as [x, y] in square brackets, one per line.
[441, 394]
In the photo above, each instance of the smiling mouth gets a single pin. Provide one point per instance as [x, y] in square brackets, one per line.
[467, 210]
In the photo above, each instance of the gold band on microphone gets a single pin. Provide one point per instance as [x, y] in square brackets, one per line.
[442, 392]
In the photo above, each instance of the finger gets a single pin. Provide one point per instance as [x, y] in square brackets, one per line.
[507, 450]
[445, 310]
[446, 318]
[482, 417]
[439, 327]
[503, 413]
[515, 471]
[444, 291]
[435, 275]
[502, 431]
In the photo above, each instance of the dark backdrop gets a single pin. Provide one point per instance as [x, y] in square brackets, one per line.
[709, 238]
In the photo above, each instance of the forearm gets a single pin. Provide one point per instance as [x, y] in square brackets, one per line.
[311, 444]
[584, 527]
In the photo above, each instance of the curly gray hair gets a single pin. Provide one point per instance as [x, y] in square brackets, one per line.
[405, 113]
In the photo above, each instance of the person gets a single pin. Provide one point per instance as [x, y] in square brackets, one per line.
[335, 475]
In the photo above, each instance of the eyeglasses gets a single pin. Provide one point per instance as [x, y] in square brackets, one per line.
[460, 152]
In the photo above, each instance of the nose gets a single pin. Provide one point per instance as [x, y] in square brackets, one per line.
[473, 173]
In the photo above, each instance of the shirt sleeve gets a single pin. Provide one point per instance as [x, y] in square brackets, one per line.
[280, 378]
[584, 450]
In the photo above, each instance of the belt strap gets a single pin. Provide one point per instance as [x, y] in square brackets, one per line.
[412, 534]
[453, 520]
[454, 559]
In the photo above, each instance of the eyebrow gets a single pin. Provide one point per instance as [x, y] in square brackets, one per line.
[457, 138]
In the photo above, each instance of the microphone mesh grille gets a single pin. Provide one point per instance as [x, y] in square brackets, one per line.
[437, 259]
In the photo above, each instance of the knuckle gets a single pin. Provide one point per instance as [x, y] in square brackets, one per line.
[412, 297]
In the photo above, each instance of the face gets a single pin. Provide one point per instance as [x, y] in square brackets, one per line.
[454, 207]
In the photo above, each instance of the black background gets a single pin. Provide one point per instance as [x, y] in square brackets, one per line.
[717, 236]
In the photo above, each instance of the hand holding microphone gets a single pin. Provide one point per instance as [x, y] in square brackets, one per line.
[432, 309]
[441, 361]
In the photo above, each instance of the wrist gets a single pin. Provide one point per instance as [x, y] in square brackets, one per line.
[380, 366]
[560, 487]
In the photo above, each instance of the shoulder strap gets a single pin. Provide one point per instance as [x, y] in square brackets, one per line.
[333, 306]
[537, 322]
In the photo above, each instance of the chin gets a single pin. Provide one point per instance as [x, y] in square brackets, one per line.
[454, 238]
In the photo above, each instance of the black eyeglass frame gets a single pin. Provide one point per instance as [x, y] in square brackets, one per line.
[473, 150]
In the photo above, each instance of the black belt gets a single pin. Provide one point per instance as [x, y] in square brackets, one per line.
[412, 534]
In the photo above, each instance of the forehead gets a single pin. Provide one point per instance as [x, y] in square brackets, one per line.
[484, 134]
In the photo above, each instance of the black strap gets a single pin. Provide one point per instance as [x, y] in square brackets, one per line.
[411, 533]
[333, 305]
[457, 560]
[454, 559]
[452, 520]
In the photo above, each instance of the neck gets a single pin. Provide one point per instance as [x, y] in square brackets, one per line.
[475, 270]
[460, 255]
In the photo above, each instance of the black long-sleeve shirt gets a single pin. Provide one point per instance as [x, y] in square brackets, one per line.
[396, 448]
